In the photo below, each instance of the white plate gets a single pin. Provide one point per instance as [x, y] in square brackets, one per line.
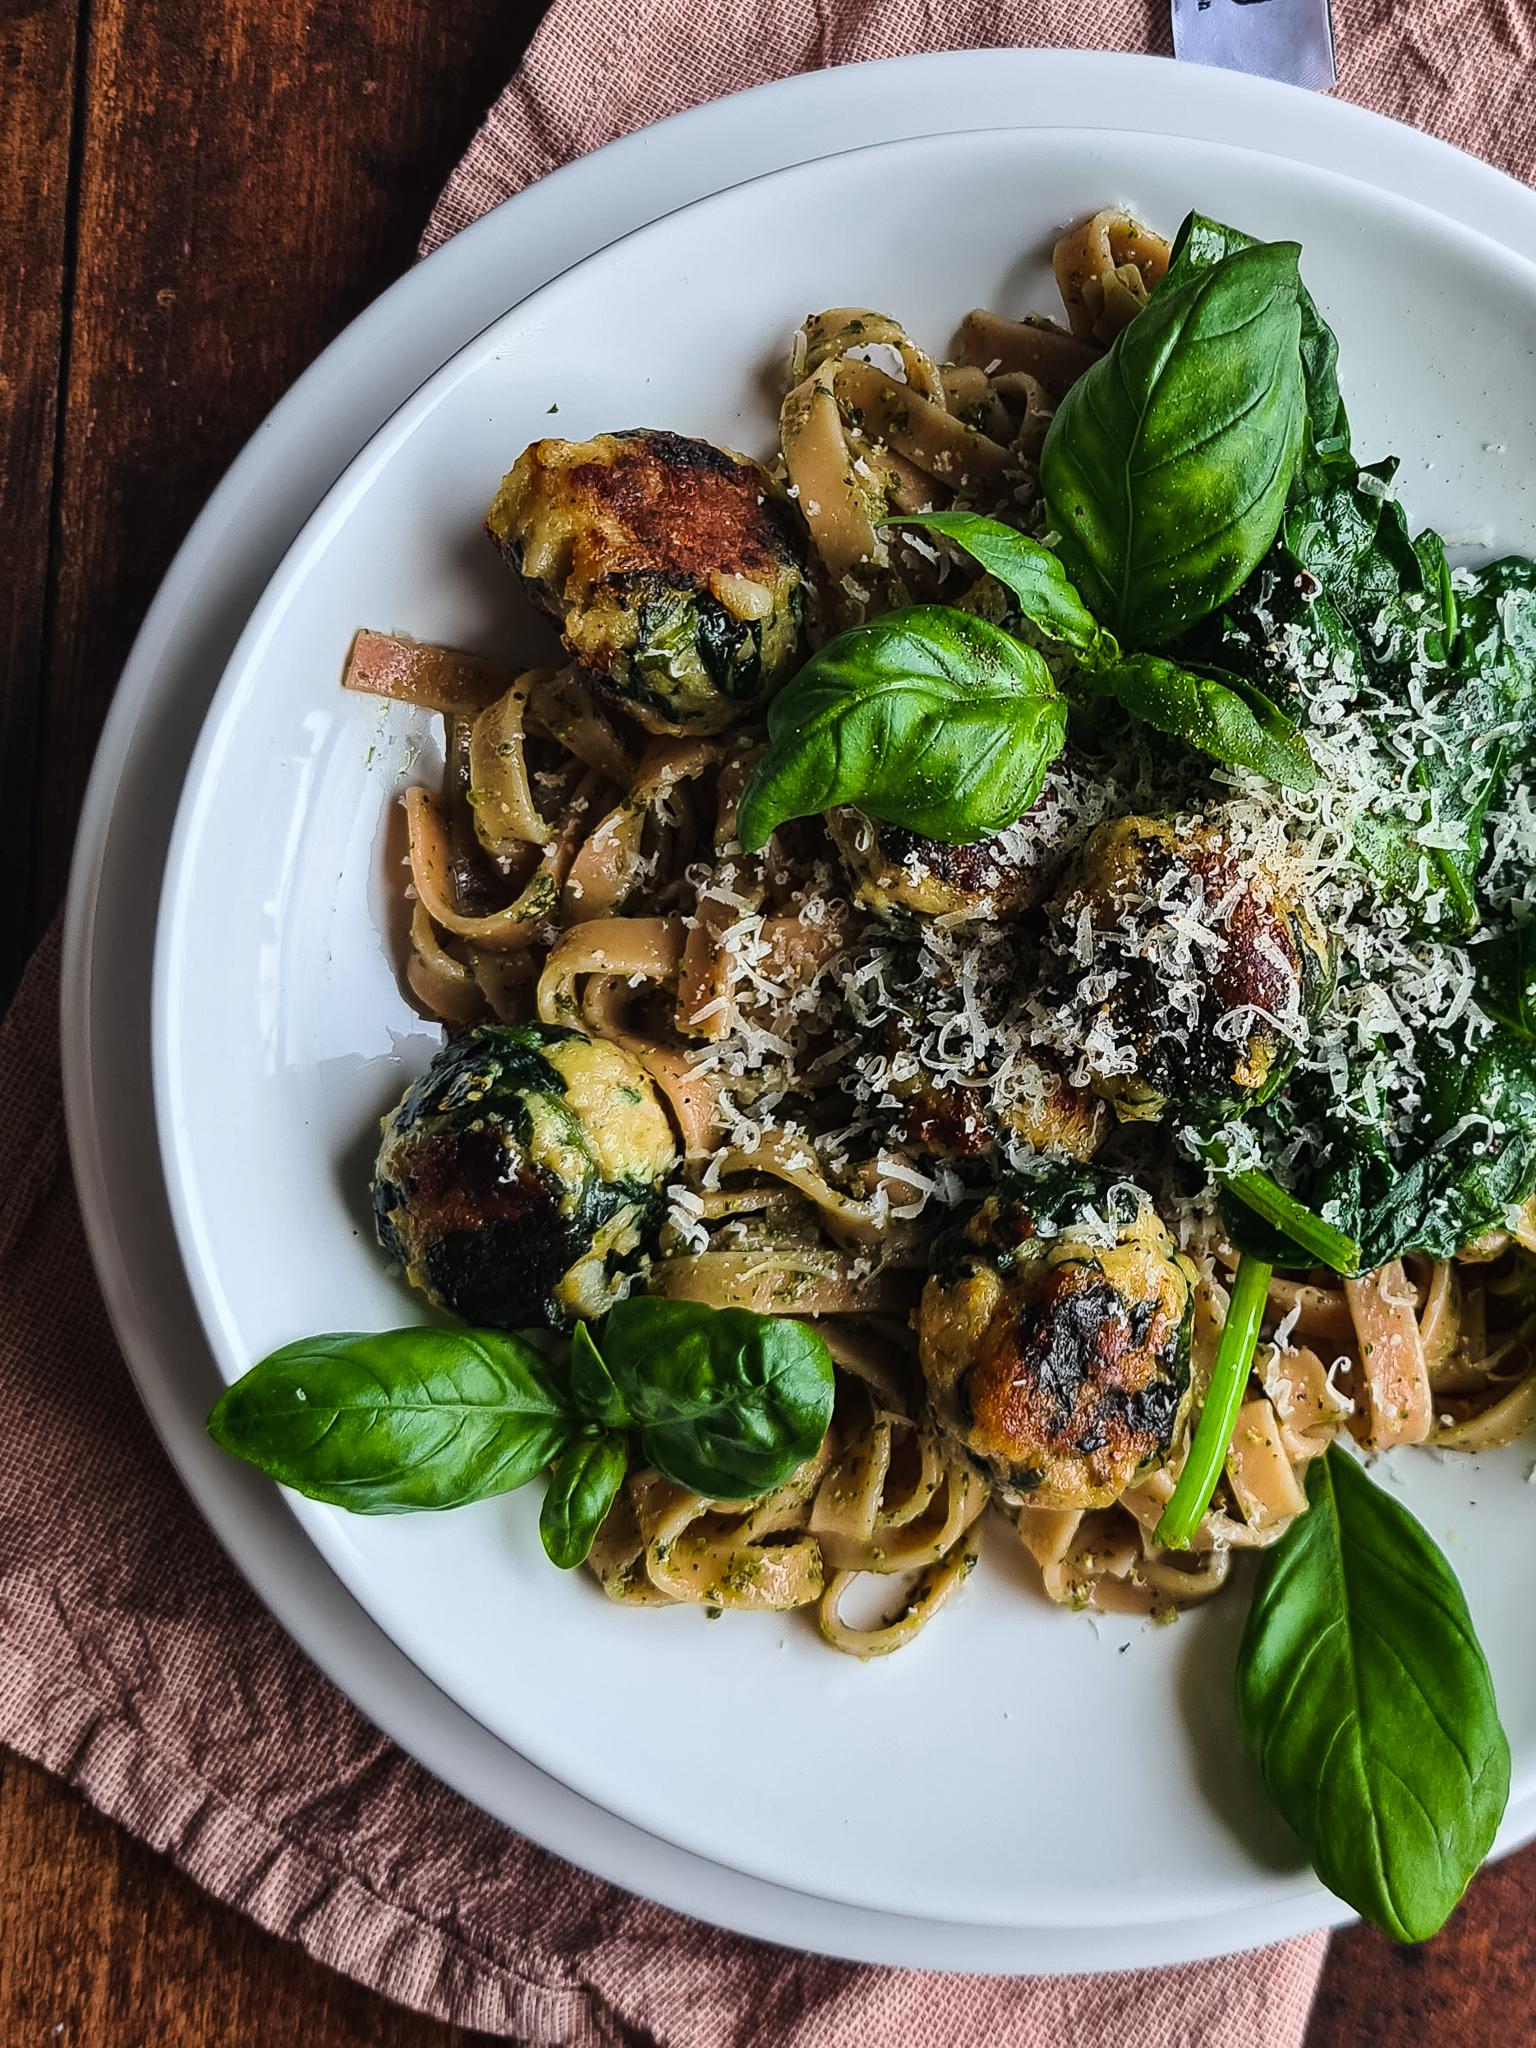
[1183, 1878]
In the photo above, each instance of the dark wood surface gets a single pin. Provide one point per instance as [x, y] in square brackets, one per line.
[195, 197]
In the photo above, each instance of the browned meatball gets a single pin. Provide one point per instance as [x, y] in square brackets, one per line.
[674, 569]
[897, 873]
[1188, 968]
[1047, 1113]
[1054, 1335]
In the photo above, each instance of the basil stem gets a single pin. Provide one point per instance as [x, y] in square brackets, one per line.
[1303, 1226]
[1223, 1398]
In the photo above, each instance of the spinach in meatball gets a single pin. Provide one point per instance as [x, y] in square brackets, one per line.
[900, 875]
[674, 569]
[520, 1180]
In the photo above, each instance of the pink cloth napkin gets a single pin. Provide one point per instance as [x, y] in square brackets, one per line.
[134, 1660]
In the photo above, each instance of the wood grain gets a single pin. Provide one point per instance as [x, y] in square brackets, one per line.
[252, 173]
[104, 1945]
[37, 104]
[1473, 1986]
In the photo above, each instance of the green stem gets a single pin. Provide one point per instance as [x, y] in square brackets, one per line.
[1223, 1398]
[1300, 1224]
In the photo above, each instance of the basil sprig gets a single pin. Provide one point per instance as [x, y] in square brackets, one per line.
[1033, 573]
[1364, 1695]
[1218, 712]
[1223, 715]
[928, 718]
[1168, 463]
[1201, 244]
[586, 1476]
[402, 1420]
[726, 1403]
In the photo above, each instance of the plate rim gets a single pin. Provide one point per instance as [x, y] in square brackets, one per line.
[647, 1864]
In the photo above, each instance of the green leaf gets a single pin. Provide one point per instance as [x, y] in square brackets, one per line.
[928, 718]
[1201, 244]
[1352, 536]
[1470, 1157]
[1222, 715]
[587, 1475]
[1347, 591]
[1167, 466]
[728, 1403]
[1032, 573]
[1365, 1696]
[416, 1418]
[595, 1396]
[1506, 977]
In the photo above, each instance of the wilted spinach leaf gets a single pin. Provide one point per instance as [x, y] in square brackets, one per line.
[1505, 965]
[1367, 1700]
[1448, 663]
[1468, 1157]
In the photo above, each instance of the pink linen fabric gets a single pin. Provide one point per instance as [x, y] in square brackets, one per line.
[134, 1660]
[1464, 70]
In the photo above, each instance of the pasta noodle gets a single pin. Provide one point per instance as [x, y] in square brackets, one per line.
[581, 868]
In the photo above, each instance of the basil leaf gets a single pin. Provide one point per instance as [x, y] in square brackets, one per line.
[728, 1403]
[416, 1418]
[1200, 244]
[928, 718]
[1032, 573]
[1223, 715]
[1167, 466]
[597, 1399]
[1363, 1692]
[587, 1475]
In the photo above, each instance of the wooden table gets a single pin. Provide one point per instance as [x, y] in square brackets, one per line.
[195, 196]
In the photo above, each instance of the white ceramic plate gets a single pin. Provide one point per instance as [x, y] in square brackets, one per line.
[920, 1786]
[162, 696]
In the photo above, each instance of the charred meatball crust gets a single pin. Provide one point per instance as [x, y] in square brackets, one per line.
[674, 569]
[1059, 1364]
[1048, 1114]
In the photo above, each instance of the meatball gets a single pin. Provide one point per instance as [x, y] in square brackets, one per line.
[1054, 1335]
[674, 569]
[957, 1120]
[1188, 969]
[897, 873]
[520, 1180]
